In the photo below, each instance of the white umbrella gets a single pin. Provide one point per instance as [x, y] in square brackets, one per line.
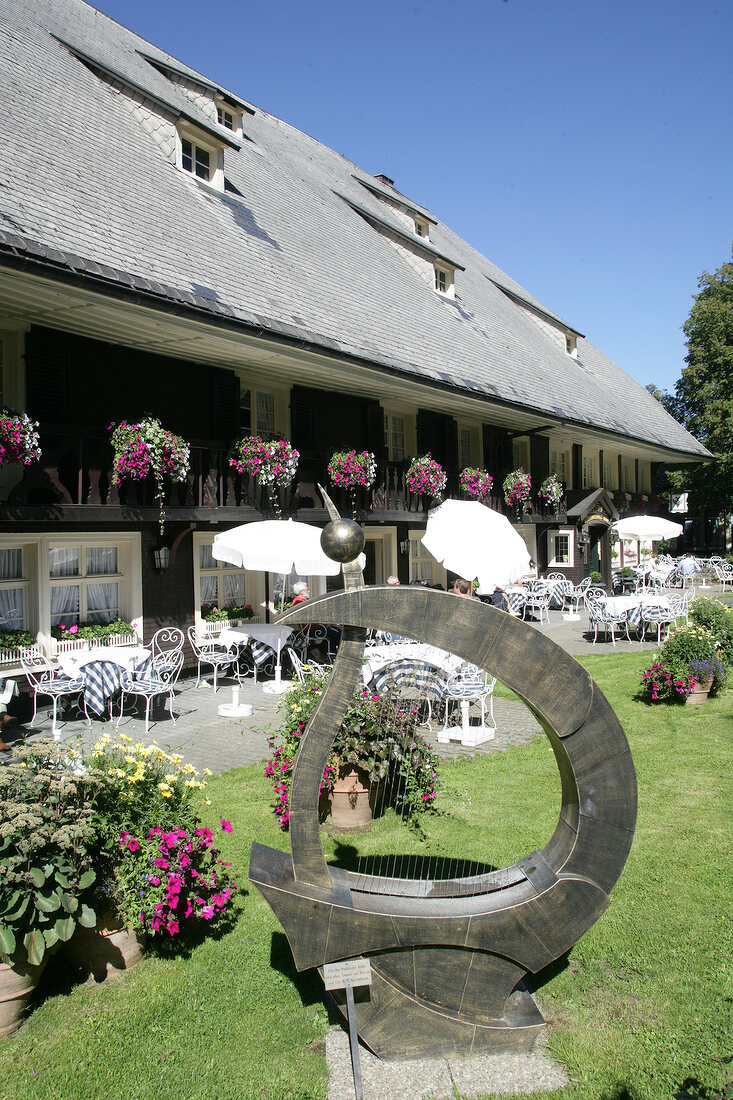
[476, 542]
[650, 528]
[275, 546]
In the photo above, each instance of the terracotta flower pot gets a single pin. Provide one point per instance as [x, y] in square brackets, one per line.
[17, 982]
[699, 694]
[105, 950]
[350, 808]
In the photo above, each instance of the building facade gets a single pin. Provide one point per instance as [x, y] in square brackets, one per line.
[167, 249]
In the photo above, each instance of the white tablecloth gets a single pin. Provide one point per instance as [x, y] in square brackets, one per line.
[631, 606]
[268, 634]
[126, 656]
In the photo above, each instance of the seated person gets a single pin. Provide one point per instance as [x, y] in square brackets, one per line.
[300, 588]
[462, 587]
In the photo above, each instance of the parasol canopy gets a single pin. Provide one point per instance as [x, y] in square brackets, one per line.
[477, 543]
[649, 528]
[275, 546]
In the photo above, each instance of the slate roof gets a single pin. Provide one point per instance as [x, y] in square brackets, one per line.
[84, 186]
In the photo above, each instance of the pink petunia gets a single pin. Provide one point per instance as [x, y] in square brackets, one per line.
[226, 826]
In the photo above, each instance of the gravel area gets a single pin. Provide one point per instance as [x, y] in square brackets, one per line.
[436, 1078]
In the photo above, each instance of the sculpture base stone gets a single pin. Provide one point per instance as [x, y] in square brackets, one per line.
[397, 1027]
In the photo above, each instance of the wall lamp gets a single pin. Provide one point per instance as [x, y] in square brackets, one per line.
[405, 546]
[162, 556]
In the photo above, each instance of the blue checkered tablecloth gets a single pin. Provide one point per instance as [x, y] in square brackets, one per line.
[517, 601]
[428, 680]
[559, 590]
[103, 679]
[631, 606]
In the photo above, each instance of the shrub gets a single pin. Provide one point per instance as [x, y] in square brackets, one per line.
[13, 639]
[378, 734]
[718, 618]
[157, 864]
[46, 867]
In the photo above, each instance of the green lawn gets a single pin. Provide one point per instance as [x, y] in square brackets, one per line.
[641, 1006]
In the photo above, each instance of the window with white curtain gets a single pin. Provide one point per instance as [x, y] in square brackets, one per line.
[220, 584]
[93, 596]
[12, 589]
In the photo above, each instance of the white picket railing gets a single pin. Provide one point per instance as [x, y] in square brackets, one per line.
[10, 658]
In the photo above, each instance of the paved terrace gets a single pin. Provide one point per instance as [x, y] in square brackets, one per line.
[207, 740]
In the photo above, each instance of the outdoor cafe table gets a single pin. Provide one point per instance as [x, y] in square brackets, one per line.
[413, 663]
[265, 640]
[631, 606]
[101, 668]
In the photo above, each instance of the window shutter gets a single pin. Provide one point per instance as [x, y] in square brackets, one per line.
[224, 406]
[424, 425]
[375, 430]
[47, 365]
[301, 420]
[539, 455]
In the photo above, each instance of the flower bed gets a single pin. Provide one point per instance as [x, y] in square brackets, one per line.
[272, 463]
[476, 483]
[425, 477]
[517, 488]
[378, 734]
[18, 438]
[148, 448]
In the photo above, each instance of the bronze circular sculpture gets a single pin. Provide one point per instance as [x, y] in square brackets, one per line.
[448, 957]
[342, 540]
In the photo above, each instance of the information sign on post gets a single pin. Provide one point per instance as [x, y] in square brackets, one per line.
[345, 975]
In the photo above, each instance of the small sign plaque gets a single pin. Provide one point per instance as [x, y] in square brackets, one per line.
[342, 975]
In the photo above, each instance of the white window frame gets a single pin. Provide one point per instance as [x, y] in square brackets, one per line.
[626, 476]
[281, 408]
[564, 533]
[520, 453]
[422, 228]
[419, 556]
[467, 459]
[608, 478]
[560, 463]
[128, 577]
[409, 431]
[588, 471]
[222, 107]
[209, 145]
[444, 281]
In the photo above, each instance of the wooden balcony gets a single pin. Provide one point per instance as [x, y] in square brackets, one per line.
[74, 482]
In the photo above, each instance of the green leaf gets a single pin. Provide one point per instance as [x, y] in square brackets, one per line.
[70, 903]
[35, 947]
[37, 876]
[63, 881]
[15, 914]
[65, 928]
[87, 918]
[47, 903]
[50, 937]
[7, 941]
[87, 879]
[11, 902]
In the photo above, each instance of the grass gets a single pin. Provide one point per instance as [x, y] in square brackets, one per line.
[640, 1007]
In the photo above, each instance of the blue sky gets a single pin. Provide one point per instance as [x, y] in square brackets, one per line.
[584, 146]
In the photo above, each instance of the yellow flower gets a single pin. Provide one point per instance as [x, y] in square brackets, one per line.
[124, 737]
[208, 771]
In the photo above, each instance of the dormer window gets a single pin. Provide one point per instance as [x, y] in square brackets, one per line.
[201, 157]
[421, 228]
[444, 280]
[228, 116]
[571, 344]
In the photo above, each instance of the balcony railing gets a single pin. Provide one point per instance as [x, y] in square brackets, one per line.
[76, 469]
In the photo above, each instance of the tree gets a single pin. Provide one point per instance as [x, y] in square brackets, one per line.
[704, 392]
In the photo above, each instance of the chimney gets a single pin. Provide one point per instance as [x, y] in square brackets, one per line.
[385, 179]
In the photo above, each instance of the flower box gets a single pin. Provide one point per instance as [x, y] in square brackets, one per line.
[67, 645]
[10, 658]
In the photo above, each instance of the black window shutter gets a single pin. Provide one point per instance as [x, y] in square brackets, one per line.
[224, 406]
[424, 428]
[450, 446]
[539, 458]
[47, 366]
[301, 420]
[375, 429]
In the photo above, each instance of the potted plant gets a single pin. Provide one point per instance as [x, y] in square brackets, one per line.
[352, 470]
[688, 652]
[550, 492]
[47, 872]
[378, 755]
[158, 870]
[426, 477]
[272, 463]
[148, 448]
[242, 613]
[476, 483]
[11, 644]
[517, 489]
[18, 438]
